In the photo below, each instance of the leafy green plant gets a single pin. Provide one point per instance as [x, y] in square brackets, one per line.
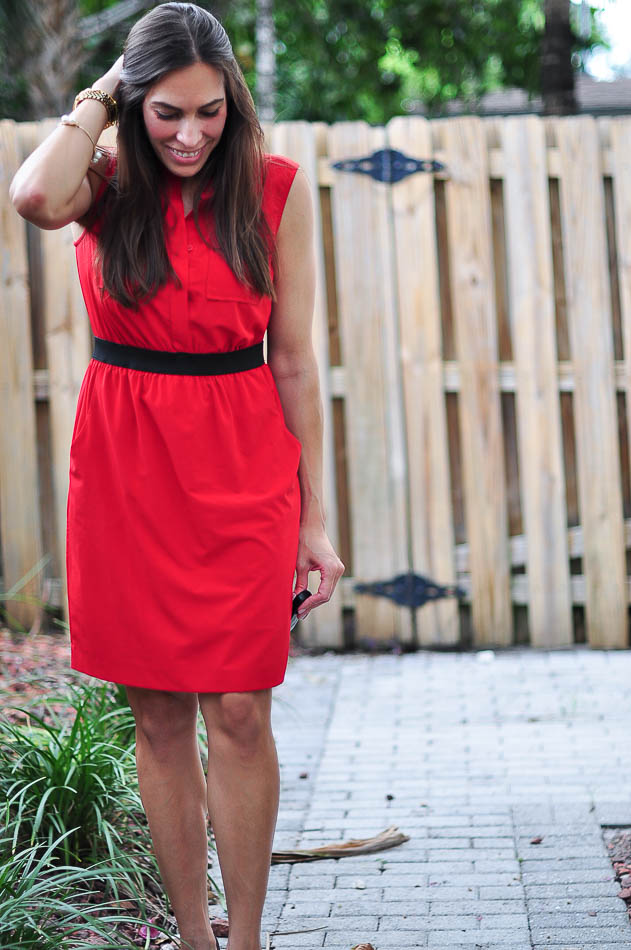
[43, 905]
[75, 842]
[68, 781]
[72, 774]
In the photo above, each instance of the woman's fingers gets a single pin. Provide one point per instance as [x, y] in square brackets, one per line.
[117, 68]
[109, 81]
[316, 553]
[329, 576]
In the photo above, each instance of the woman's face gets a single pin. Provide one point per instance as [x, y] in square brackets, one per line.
[185, 113]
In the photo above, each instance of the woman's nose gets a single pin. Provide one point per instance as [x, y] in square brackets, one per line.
[188, 134]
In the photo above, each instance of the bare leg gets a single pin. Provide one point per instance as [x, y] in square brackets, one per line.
[243, 793]
[173, 792]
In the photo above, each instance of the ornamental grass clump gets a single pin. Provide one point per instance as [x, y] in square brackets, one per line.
[47, 906]
[70, 778]
[76, 864]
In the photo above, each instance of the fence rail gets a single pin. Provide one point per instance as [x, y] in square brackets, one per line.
[473, 333]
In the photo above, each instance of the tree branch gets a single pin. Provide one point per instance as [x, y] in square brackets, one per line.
[97, 23]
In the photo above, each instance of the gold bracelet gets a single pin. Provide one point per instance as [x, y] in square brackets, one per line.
[103, 97]
[97, 154]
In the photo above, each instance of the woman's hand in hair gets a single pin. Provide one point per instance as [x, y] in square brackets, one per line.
[109, 81]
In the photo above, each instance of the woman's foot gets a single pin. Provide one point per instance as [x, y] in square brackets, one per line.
[205, 942]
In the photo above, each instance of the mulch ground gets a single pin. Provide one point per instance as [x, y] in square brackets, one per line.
[33, 668]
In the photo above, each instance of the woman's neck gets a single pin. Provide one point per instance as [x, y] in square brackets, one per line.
[187, 196]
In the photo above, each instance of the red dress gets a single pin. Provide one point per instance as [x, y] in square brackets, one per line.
[184, 501]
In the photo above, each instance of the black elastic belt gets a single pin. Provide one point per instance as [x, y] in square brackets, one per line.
[182, 364]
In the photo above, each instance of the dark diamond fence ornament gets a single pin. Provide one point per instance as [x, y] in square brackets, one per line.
[410, 590]
[388, 164]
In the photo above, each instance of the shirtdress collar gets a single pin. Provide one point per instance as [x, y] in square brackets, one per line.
[175, 203]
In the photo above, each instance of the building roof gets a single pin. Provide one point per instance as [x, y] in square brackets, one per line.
[593, 96]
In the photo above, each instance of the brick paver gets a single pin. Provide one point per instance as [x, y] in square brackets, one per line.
[473, 756]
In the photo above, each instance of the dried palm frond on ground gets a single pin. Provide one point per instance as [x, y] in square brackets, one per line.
[389, 838]
[220, 928]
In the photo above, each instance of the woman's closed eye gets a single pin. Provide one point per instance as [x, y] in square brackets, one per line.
[173, 115]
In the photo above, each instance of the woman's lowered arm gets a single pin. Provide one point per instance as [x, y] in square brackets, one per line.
[293, 364]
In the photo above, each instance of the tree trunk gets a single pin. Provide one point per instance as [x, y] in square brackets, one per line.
[94, 24]
[52, 55]
[49, 48]
[557, 72]
[265, 61]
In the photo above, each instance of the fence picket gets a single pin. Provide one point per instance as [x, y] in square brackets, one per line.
[531, 306]
[422, 375]
[620, 132]
[473, 301]
[20, 523]
[590, 331]
[374, 437]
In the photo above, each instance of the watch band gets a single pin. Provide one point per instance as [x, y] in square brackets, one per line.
[104, 97]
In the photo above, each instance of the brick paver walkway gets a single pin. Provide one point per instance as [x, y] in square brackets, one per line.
[472, 757]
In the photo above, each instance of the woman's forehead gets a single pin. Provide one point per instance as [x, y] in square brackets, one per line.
[192, 86]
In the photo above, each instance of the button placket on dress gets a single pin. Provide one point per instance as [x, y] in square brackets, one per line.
[189, 256]
[179, 255]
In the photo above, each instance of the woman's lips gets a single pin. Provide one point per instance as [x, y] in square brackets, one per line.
[185, 157]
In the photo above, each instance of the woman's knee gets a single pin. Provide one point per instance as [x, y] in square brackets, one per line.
[162, 717]
[241, 717]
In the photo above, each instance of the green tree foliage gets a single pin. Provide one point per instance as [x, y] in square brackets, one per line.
[343, 59]
[15, 27]
[340, 59]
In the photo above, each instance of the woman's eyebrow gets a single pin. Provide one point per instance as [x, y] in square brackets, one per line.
[156, 102]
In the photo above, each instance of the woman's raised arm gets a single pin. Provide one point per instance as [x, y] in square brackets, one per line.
[52, 186]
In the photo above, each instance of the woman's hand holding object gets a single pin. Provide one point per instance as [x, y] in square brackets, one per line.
[315, 553]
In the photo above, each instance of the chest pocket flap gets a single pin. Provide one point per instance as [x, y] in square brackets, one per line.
[223, 284]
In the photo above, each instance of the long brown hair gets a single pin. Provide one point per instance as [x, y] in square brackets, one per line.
[131, 249]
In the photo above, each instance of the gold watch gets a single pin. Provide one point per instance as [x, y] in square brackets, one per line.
[105, 98]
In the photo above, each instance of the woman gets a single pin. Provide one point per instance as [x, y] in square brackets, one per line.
[195, 467]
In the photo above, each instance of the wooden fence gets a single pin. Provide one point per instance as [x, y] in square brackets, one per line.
[473, 332]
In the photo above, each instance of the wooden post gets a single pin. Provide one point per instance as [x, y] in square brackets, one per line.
[20, 527]
[68, 349]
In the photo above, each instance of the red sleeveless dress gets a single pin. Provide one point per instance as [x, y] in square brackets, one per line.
[184, 500]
